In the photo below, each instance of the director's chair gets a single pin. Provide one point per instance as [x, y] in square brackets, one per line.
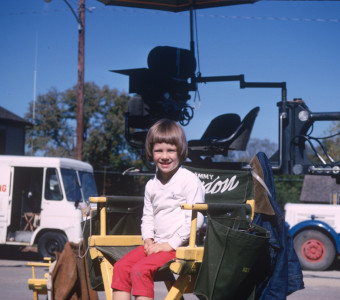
[226, 192]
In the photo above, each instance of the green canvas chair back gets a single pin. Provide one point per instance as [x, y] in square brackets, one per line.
[225, 185]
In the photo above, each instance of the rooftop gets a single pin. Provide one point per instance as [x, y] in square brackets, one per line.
[9, 116]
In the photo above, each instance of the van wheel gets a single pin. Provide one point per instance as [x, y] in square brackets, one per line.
[50, 242]
[314, 249]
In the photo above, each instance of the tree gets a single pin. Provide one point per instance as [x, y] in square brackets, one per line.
[53, 133]
[330, 142]
[256, 145]
[288, 188]
[105, 143]
[333, 144]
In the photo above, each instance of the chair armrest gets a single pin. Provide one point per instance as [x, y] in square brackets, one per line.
[38, 285]
[39, 264]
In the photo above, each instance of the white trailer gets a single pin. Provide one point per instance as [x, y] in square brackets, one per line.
[41, 201]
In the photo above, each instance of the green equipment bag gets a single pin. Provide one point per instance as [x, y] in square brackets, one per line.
[231, 251]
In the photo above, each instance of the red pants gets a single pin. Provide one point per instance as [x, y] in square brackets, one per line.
[134, 272]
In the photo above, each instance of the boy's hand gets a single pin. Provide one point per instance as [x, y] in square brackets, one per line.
[155, 248]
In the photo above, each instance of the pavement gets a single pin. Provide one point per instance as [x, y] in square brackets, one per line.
[14, 274]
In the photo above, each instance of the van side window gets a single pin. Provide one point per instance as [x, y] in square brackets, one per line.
[88, 185]
[52, 185]
[71, 185]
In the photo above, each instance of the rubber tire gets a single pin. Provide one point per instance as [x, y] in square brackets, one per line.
[50, 242]
[329, 250]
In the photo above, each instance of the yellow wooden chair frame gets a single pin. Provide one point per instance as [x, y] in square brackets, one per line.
[186, 265]
[38, 285]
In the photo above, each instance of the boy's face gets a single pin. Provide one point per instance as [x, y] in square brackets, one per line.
[166, 159]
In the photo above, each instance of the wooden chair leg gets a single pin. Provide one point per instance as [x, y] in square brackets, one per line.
[107, 271]
[169, 285]
[29, 218]
[35, 295]
[178, 289]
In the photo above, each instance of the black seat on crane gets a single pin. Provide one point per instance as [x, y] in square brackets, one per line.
[225, 132]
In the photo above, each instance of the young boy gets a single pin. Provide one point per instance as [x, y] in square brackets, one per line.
[165, 226]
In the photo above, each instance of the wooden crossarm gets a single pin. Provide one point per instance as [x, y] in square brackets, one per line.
[115, 240]
[189, 253]
[38, 284]
[184, 266]
[98, 199]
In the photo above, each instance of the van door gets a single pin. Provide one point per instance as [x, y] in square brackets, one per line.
[25, 203]
[55, 209]
[6, 179]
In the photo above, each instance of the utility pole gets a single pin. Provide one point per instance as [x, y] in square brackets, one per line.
[80, 82]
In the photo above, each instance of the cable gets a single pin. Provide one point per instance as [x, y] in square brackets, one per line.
[327, 137]
[323, 149]
[83, 229]
[197, 47]
[308, 139]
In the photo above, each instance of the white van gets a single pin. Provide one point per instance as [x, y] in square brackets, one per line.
[41, 201]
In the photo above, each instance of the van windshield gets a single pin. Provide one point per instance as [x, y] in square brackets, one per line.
[78, 189]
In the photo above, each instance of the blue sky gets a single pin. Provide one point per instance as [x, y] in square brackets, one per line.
[295, 42]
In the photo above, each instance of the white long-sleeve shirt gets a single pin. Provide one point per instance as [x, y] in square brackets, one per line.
[163, 219]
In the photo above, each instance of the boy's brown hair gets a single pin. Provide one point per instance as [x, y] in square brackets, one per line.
[166, 131]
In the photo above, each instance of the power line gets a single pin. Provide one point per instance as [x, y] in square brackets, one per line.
[268, 18]
[33, 12]
[201, 15]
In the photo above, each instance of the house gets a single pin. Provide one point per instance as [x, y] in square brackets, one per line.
[12, 133]
[320, 189]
